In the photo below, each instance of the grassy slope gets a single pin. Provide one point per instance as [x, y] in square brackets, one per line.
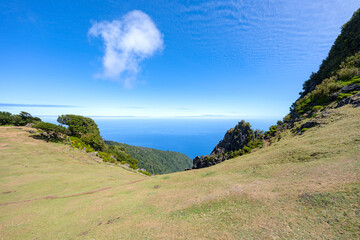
[157, 161]
[305, 186]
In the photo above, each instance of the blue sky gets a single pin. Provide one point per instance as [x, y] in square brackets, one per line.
[228, 59]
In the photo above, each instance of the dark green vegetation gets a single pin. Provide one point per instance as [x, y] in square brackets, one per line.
[237, 141]
[123, 157]
[339, 69]
[346, 45]
[331, 89]
[155, 161]
[85, 129]
[20, 119]
[83, 133]
[52, 131]
[336, 83]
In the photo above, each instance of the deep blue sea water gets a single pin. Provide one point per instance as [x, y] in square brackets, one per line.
[192, 137]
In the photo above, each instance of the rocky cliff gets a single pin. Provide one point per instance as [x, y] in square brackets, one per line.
[237, 141]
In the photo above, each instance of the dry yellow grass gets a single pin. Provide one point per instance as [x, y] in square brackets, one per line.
[301, 187]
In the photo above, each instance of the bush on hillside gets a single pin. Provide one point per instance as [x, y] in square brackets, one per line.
[347, 73]
[79, 144]
[121, 156]
[107, 157]
[5, 118]
[20, 119]
[144, 172]
[85, 129]
[51, 131]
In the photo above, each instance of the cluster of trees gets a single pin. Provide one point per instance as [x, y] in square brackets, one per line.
[52, 131]
[20, 119]
[122, 156]
[81, 132]
[83, 128]
[153, 160]
[84, 134]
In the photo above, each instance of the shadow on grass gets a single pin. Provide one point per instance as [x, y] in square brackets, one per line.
[46, 138]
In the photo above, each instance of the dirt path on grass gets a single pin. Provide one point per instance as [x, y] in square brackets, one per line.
[67, 196]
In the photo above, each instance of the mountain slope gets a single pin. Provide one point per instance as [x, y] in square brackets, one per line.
[304, 186]
[335, 84]
[156, 161]
[345, 45]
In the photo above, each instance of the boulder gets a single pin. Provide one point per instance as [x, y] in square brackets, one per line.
[309, 124]
[350, 88]
[207, 161]
[353, 100]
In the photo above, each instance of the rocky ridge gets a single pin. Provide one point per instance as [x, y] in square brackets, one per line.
[237, 141]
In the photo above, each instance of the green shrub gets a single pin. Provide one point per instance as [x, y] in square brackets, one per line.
[342, 96]
[107, 157]
[121, 156]
[316, 108]
[50, 127]
[304, 129]
[79, 144]
[5, 118]
[354, 80]
[273, 128]
[51, 131]
[347, 73]
[287, 118]
[144, 172]
[246, 149]
[20, 119]
[85, 129]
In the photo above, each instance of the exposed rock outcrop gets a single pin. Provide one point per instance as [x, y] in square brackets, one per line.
[234, 141]
[309, 124]
[353, 100]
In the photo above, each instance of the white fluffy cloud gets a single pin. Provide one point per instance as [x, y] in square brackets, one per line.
[127, 42]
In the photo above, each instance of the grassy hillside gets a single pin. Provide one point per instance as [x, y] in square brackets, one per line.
[157, 161]
[300, 187]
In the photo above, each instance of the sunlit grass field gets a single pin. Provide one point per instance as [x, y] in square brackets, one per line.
[301, 187]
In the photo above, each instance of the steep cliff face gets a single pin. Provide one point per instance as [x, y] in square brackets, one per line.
[237, 141]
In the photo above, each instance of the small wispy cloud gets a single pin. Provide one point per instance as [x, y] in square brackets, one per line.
[127, 41]
[133, 107]
[34, 105]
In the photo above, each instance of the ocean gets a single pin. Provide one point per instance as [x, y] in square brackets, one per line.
[193, 137]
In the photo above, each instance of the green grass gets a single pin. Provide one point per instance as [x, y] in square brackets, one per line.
[301, 187]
